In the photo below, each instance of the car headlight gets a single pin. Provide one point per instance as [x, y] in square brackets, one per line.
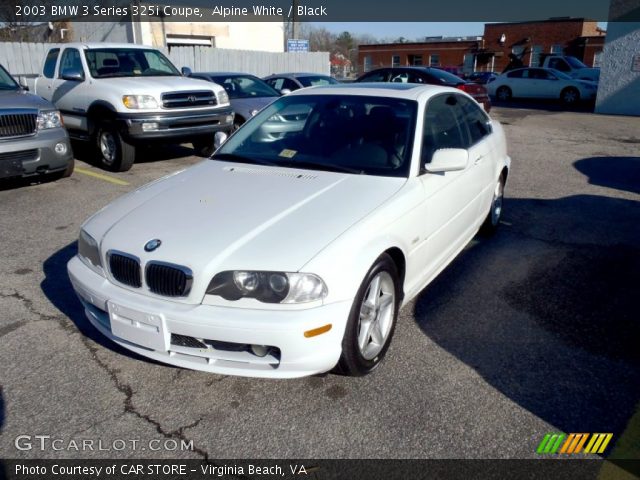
[268, 287]
[223, 97]
[139, 101]
[49, 119]
[88, 251]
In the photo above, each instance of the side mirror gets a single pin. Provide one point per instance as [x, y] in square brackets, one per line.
[72, 75]
[186, 71]
[448, 160]
[219, 138]
[285, 91]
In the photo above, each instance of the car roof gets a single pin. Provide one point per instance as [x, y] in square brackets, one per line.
[409, 91]
[225, 74]
[95, 45]
[299, 74]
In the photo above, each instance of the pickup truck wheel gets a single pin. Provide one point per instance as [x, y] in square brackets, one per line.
[115, 154]
[204, 147]
[372, 320]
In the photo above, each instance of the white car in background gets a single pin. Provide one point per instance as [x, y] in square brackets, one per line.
[289, 257]
[541, 83]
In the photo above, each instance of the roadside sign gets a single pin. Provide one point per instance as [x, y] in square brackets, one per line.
[297, 45]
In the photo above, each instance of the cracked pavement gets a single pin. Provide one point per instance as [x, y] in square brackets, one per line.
[528, 332]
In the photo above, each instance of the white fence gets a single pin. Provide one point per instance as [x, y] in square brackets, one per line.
[26, 59]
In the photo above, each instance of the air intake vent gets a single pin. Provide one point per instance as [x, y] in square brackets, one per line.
[20, 156]
[125, 268]
[168, 280]
[273, 173]
[201, 98]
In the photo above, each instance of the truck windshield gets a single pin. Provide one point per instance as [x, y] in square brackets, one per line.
[6, 81]
[128, 62]
[575, 63]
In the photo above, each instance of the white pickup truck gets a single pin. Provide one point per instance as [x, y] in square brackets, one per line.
[117, 96]
[571, 66]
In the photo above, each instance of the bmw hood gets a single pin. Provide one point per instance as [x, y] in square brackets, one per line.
[220, 216]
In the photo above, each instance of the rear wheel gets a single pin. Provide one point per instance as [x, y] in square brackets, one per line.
[372, 320]
[114, 152]
[504, 94]
[570, 96]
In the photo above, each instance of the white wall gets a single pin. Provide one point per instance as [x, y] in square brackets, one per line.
[619, 87]
[259, 36]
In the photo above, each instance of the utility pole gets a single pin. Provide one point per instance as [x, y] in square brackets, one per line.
[294, 24]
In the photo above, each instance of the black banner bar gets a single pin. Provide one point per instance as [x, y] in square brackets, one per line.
[543, 468]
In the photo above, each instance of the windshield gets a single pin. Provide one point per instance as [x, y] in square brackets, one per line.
[6, 81]
[245, 87]
[344, 133]
[575, 63]
[128, 62]
[317, 80]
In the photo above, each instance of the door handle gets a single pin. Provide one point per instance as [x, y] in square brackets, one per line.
[478, 159]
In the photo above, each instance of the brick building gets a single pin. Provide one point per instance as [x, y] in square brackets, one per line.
[579, 37]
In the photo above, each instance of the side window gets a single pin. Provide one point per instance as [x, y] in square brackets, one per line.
[515, 74]
[442, 128]
[475, 118]
[378, 76]
[275, 83]
[70, 61]
[50, 63]
[290, 84]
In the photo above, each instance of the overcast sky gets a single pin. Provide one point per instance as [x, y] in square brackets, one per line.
[410, 30]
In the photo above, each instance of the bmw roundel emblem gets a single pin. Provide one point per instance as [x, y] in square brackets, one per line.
[151, 245]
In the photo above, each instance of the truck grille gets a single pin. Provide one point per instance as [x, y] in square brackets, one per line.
[168, 280]
[201, 98]
[17, 123]
[125, 269]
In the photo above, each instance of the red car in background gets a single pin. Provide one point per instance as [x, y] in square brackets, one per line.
[429, 76]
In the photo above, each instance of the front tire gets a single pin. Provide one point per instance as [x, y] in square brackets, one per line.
[204, 147]
[114, 152]
[70, 167]
[492, 221]
[372, 320]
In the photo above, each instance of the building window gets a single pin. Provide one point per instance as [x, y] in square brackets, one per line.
[557, 49]
[434, 60]
[534, 61]
[597, 56]
[395, 61]
[368, 63]
[415, 60]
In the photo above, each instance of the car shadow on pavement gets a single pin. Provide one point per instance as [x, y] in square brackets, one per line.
[546, 310]
[57, 288]
[147, 153]
[621, 173]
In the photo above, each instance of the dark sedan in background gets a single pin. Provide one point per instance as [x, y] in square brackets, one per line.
[430, 76]
[248, 94]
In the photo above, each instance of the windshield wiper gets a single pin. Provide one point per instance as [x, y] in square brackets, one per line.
[322, 166]
[232, 157]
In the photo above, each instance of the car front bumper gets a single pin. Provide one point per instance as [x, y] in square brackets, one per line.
[171, 125]
[35, 154]
[164, 330]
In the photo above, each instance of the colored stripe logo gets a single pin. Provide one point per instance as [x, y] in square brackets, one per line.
[573, 443]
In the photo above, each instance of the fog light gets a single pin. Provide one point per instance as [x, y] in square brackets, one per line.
[60, 148]
[229, 119]
[149, 126]
[260, 350]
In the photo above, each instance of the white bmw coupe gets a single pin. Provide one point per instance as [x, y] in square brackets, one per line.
[291, 250]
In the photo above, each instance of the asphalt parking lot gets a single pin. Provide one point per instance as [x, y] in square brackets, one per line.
[532, 331]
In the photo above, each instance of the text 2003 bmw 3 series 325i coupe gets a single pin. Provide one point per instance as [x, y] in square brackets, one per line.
[291, 250]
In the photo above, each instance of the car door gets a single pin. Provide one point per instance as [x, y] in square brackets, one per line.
[548, 83]
[449, 210]
[45, 82]
[482, 153]
[69, 95]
